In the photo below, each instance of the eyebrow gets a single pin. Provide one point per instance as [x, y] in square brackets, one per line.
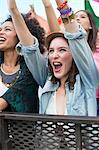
[67, 48]
[6, 26]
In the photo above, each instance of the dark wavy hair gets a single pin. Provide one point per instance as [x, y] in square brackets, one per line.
[35, 29]
[92, 36]
[72, 73]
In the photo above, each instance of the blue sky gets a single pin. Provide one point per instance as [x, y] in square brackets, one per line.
[23, 6]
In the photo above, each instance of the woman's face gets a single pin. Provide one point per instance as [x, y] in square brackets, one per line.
[60, 58]
[83, 19]
[8, 39]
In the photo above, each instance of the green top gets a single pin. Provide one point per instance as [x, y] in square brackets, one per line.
[22, 96]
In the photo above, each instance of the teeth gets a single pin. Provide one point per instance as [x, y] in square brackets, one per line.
[2, 39]
[56, 63]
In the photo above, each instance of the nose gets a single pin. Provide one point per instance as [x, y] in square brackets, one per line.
[55, 55]
[77, 18]
[1, 31]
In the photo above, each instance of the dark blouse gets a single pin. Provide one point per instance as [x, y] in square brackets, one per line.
[22, 96]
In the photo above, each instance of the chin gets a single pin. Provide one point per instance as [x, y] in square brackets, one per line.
[58, 76]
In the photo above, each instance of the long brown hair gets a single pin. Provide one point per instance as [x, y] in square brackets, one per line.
[92, 36]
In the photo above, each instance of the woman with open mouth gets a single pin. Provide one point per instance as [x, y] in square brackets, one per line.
[68, 78]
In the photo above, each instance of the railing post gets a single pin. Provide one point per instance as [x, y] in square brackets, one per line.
[78, 136]
[0, 132]
[5, 144]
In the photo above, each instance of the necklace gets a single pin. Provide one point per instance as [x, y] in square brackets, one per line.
[11, 73]
[8, 85]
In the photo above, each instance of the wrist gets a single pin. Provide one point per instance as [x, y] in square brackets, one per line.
[66, 12]
[68, 19]
[62, 5]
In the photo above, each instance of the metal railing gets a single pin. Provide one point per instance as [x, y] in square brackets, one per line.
[44, 132]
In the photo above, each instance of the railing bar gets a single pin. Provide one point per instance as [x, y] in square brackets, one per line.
[78, 136]
[72, 119]
[5, 143]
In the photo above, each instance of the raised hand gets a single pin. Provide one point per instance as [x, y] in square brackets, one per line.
[46, 3]
[22, 31]
[51, 16]
[11, 4]
[67, 16]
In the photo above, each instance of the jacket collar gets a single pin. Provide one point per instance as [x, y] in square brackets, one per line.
[49, 86]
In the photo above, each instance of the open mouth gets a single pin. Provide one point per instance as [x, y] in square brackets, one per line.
[2, 39]
[57, 66]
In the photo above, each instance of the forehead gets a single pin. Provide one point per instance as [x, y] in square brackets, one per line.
[81, 13]
[7, 24]
[59, 41]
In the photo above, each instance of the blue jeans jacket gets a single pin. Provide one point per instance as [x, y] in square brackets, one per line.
[81, 100]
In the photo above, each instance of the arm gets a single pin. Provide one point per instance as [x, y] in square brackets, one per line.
[23, 33]
[70, 26]
[83, 58]
[81, 51]
[36, 62]
[51, 17]
[3, 104]
[29, 46]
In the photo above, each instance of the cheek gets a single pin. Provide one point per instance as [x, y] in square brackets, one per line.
[50, 59]
[86, 25]
[67, 57]
[13, 40]
[68, 61]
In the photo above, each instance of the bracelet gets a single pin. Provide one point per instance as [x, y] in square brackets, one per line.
[65, 11]
[67, 19]
[62, 5]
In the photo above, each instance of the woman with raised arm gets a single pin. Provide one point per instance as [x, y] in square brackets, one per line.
[69, 88]
[69, 75]
[87, 21]
[18, 88]
[28, 44]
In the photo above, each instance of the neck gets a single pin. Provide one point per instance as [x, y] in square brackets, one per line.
[88, 31]
[10, 58]
[63, 81]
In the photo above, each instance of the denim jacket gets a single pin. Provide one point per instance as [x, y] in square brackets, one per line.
[82, 99]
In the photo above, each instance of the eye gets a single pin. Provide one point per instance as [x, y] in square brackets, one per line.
[83, 16]
[62, 50]
[7, 29]
[50, 51]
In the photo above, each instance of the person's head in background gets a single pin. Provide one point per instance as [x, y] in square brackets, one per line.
[85, 18]
[61, 63]
[33, 26]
